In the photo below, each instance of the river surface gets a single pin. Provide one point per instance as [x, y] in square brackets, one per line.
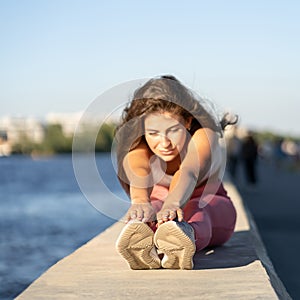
[43, 217]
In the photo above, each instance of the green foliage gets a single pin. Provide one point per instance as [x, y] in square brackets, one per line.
[91, 138]
[55, 141]
[263, 136]
[105, 138]
[24, 145]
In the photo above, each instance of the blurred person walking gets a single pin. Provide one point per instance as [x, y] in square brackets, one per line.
[233, 153]
[249, 153]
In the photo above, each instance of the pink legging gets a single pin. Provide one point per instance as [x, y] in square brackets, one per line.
[212, 216]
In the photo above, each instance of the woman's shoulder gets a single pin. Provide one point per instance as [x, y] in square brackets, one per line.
[141, 149]
[205, 135]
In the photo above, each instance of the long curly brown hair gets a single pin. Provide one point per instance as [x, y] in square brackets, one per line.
[163, 94]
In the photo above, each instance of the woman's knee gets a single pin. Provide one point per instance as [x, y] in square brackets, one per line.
[220, 236]
[203, 234]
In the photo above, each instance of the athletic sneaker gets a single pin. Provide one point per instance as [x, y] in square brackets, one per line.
[176, 241]
[135, 244]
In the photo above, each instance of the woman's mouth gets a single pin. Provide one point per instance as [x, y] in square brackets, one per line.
[166, 152]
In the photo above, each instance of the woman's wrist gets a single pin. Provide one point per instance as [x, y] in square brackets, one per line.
[169, 202]
[140, 200]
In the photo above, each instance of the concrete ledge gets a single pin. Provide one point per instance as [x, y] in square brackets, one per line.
[240, 269]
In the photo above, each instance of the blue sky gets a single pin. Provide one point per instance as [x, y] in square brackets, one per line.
[57, 56]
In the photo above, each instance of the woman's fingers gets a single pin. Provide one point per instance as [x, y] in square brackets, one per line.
[147, 216]
[145, 213]
[169, 215]
[172, 215]
[140, 212]
[131, 215]
[160, 217]
[180, 215]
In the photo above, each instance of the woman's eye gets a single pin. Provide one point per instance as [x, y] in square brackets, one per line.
[152, 133]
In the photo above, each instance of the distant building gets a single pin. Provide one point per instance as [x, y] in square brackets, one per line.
[5, 146]
[15, 129]
[68, 121]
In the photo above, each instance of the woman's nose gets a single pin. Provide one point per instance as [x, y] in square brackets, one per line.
[164, 141]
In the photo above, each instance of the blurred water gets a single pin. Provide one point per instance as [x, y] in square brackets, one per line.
[43, 217]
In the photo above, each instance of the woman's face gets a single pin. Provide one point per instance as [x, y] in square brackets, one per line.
[165, 134]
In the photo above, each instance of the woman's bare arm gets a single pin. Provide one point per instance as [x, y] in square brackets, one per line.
[138, 171]
[193, 170]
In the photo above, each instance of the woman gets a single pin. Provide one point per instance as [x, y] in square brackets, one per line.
[170, 164]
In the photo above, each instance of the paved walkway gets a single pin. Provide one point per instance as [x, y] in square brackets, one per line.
[240, 269]
[275, 207]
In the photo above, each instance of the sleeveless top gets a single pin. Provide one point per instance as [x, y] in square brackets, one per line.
[216, 171]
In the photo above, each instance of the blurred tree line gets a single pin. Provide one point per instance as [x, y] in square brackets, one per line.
[55, 141]
[263, 136]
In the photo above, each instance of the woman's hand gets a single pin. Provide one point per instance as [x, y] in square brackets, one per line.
[169, 213]
[143, 212]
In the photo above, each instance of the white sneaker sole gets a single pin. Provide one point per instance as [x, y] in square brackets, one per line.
[178, 248]
[135, 244]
